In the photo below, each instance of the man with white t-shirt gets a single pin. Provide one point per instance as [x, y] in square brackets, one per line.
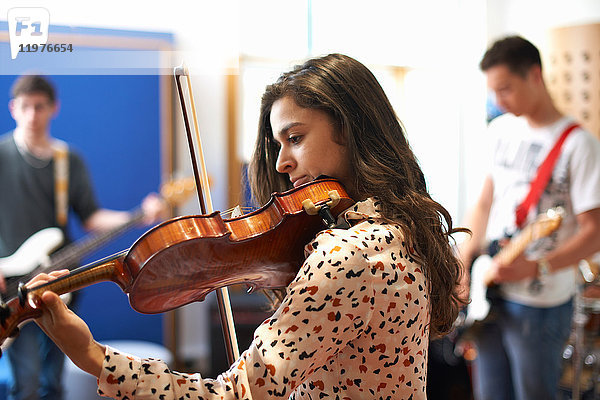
[519, 350]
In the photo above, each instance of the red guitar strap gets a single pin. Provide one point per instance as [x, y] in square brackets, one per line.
[543, 176]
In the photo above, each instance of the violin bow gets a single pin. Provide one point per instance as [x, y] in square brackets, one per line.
[202, 187]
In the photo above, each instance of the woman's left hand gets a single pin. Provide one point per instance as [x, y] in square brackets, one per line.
[66, 329]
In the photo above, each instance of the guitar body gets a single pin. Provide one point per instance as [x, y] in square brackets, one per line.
[34, 252]
[479, 306]
[482, 288]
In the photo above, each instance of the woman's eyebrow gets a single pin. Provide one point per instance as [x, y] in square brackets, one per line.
[283, 131]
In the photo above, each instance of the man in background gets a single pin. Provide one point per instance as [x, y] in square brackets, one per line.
[519, 351]
[34, 189]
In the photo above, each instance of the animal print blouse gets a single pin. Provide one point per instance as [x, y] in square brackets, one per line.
[354, 325]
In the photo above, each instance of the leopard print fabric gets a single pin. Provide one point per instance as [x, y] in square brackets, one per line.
[354, 325]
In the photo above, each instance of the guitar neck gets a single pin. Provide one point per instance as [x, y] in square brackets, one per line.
[516, 246]
[71, 255]
[543, 226]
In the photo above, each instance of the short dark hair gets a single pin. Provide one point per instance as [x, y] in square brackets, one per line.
[518, 54]
[29, 84]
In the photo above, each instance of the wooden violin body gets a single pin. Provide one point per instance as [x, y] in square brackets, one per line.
[183, 259]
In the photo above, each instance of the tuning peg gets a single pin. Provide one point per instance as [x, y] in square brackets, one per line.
[22, 293]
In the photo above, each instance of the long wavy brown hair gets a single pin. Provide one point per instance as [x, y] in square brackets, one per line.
[383, 164]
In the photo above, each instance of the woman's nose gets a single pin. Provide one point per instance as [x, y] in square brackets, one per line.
[284, 161]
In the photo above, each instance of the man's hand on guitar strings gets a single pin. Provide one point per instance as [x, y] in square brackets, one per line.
[521, 268]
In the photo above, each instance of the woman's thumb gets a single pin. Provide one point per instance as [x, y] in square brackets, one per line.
[52, 302]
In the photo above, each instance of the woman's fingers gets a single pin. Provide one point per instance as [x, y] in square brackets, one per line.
[54, 309]
[44, 278]
[66, 329]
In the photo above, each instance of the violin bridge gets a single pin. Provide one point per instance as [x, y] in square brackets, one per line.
[236, 212]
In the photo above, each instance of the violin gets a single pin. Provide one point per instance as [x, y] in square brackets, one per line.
[183, 259]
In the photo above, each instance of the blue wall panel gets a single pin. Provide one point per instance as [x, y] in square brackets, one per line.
[114, 122]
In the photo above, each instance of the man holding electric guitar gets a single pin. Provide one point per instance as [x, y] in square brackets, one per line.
[40, 181]
[542, 161]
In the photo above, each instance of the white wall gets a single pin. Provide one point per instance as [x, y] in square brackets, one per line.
[534, 18]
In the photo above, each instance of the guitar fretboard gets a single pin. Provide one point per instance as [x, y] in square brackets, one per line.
[516, 246]
[542, 227]
[71, 255]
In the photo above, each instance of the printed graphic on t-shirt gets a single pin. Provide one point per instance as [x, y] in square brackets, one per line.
[520, 162]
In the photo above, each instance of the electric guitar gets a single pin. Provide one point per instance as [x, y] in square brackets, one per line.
[481, 281]
[36, 255]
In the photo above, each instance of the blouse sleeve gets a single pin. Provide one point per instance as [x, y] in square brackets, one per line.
[328, 304]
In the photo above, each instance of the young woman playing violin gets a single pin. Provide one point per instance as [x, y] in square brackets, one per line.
[356, 320]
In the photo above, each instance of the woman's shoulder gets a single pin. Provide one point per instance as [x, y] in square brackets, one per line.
[367, 223]
[364, 240]
[371, 230]
[364, 223]
[369, 237]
